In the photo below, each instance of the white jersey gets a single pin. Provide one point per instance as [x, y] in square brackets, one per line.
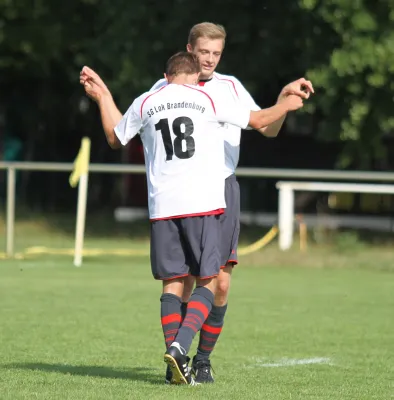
[219, 87]
[182, 135]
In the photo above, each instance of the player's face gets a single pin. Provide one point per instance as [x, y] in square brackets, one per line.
[209, 52]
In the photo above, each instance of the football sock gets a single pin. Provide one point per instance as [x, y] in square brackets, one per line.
[170, 316]
[210, 332]
[198, 309]
[183, 310]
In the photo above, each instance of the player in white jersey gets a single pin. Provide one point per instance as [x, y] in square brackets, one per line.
[181, 130]
[207, 41]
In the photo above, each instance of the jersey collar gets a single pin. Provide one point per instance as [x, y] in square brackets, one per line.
[202, 82]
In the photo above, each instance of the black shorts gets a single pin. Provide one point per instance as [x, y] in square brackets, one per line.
[230, 223]
[185, 246]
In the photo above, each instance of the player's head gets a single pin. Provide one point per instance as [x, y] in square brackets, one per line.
[183, 68]
[207, 40]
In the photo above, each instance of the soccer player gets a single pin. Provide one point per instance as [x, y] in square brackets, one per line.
[181, 129]
[207, 40]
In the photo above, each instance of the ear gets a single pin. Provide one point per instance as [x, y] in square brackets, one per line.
[189, 48]
[165, 77]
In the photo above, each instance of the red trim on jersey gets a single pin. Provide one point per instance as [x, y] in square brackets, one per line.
[228, 80]
[146, 98]
[202, 83]
[203, 214]
[206, 94]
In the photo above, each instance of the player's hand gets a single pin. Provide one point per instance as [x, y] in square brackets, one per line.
[301, 87]
[94, 86]
[293, 102]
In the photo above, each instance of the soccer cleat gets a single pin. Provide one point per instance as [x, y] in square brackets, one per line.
[202, 371]
[168, 375]
[169, 372]
[178, 363]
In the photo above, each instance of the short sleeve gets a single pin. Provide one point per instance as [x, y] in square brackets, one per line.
[244, 96]
[229, 109]
[130, 124]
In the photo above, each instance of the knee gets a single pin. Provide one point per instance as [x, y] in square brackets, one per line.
[222, 289]
[174, 287]
[188, 289]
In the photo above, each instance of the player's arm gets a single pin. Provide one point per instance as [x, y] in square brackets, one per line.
[98, 91]
[275, 114]
[246, 99]
[234, 112]
[300, 87]
[272, 130]
[110, 118]
[130, 124]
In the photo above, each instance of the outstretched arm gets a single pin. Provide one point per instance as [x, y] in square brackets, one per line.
[302, 88]
[276, 114]
[272, 130]
[96, 89]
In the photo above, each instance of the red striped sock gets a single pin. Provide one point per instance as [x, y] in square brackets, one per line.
[198, 310]
[210, 332]
[183, 310]
[170, 316]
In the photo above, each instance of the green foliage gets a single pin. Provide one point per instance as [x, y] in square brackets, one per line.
[346, 47]
[355, 78]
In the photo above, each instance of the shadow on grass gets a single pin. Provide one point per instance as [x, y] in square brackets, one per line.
[144, 374]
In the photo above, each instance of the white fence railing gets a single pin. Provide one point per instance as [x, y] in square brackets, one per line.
[12, 167]
[286, 201]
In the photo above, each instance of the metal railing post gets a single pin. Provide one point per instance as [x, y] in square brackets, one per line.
[11, 180]
[286, 216]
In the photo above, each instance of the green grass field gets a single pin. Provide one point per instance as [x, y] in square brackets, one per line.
[300, 326]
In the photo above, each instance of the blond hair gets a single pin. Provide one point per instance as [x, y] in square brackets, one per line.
[206, 30]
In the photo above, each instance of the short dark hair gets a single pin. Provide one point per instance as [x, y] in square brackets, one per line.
[183, 63]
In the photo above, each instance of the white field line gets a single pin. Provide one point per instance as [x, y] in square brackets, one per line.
[291, 362]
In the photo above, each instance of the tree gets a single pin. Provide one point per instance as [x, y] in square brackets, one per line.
[354, 75]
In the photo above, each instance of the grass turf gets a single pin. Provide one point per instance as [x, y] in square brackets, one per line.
[94, 332]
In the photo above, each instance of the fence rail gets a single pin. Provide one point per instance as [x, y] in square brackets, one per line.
[12, 167]
[282, 173]
[286, 201]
